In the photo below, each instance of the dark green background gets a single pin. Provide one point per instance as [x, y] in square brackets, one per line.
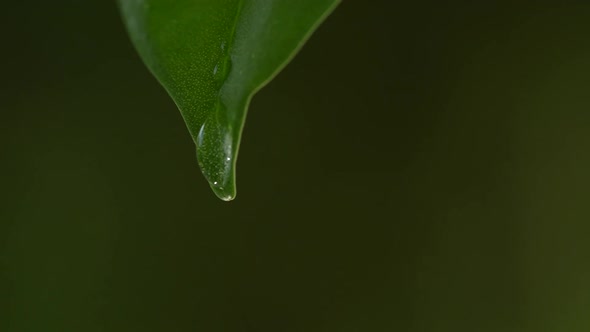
[420, 166]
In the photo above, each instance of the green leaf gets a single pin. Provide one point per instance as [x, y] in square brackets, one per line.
[212, 56]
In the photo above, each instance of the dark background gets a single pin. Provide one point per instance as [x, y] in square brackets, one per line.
[420, 166]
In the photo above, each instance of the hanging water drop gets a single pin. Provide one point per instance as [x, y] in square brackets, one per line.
[215, 147]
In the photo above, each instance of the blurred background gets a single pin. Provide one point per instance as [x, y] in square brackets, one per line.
[420, 166]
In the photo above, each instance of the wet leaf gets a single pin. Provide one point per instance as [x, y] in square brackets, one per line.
[212, 56]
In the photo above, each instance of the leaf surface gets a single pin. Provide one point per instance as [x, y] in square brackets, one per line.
[212, 56]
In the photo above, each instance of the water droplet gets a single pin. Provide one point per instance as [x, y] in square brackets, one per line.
[214, 152]
[221, 71]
